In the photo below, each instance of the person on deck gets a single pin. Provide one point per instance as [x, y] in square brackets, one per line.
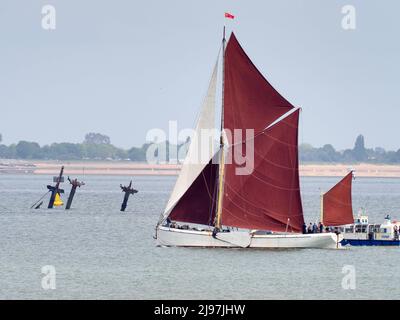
[214, 233]
[321, 227]
[304, 228]
[396, 233]
[314, 228]
[309, 229]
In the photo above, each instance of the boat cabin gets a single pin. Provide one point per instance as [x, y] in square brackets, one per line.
[361, 219]
[362, 230]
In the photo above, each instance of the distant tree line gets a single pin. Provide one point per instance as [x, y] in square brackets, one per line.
[97, 146]
[359, 153]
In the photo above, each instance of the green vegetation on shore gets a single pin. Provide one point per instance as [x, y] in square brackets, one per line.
[358, 154]
[97, 146]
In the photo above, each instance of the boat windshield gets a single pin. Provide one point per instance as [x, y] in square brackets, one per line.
[349, 229]
[361, 228]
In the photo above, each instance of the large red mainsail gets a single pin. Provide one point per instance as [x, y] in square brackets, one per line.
[197, 205]
[268, 198]
[250, 102]
[337, 204]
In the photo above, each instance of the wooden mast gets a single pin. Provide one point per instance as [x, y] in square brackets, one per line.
[321, 216]
[220, 194]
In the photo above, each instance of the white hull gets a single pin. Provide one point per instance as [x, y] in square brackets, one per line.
[191, 238]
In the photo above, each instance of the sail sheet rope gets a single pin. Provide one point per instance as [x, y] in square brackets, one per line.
[211, 197]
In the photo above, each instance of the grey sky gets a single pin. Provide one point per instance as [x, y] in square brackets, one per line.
[124, 67]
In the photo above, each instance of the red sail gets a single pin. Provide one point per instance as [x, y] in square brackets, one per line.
[268, 198]
[337, 205]
[197, 205]
[250, 102]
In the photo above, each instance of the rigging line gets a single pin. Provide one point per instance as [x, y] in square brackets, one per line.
[263, 132]
[294, 159]
[216, 188]
[283, 117]
[206, 184]
[280, 141]
[301, 128]
[273, 185]
[213, 202]
[298, 152]
[40, 199]
[274, 163]
[279, 120]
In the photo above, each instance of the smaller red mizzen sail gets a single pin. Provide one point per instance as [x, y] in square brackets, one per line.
[229, 16]
[337, 205]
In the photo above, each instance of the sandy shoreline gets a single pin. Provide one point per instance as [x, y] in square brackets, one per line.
[127, 168]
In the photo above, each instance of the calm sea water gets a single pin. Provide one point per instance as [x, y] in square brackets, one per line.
[101, 253]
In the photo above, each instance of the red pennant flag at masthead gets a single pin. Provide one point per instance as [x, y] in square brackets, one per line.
[229, 16]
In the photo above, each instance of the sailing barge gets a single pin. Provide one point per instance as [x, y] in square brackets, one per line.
[211, 204]
[337, 212]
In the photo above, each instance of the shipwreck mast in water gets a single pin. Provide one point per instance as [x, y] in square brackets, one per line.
[55, 190]
[74, 184]
[128, 191]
